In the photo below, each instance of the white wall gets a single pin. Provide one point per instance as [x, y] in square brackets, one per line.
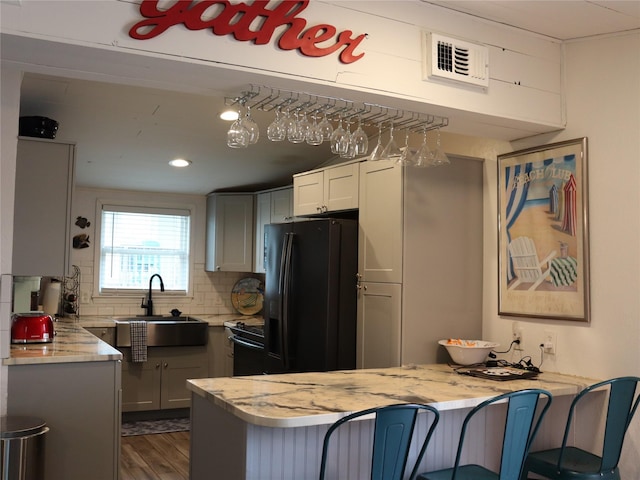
[603, 104]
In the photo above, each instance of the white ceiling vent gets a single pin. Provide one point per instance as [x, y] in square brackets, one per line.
[453, 59]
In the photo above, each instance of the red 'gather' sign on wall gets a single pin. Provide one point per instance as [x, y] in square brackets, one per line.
[225, 18]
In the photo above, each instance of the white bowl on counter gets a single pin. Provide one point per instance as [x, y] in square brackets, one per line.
[468, 352]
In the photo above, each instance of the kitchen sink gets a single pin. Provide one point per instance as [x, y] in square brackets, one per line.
[164, 331]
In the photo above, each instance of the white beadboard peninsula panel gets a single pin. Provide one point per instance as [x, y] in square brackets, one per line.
[295, 453]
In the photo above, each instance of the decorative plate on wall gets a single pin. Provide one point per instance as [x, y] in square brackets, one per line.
[247, 296]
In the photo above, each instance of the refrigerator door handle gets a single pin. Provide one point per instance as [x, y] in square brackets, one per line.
[283, 261]
[285, 300]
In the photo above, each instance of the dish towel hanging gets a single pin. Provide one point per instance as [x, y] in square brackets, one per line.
[138, 331]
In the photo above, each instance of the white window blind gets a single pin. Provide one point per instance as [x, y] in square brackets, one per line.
[137, 242]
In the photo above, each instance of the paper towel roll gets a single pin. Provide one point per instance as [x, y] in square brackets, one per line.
[51, 299]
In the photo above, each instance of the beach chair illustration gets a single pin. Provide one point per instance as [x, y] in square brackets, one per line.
[526, 266]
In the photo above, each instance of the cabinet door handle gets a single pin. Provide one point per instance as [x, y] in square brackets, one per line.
[157, 366]
[166, 364]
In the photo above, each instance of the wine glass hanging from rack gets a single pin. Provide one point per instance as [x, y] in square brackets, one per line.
[303, 117]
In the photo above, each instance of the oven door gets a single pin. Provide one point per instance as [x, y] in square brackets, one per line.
[248, 356]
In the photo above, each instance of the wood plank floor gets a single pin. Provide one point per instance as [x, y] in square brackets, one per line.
[161, 456]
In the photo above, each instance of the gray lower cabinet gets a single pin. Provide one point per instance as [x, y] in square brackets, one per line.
[160, 382]
[80, 403]
[220, 353]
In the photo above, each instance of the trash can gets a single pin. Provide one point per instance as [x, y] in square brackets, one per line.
[22, 442]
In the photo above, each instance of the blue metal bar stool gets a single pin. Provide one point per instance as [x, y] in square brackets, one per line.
[568, 462]
[393, 430]
[520, 429]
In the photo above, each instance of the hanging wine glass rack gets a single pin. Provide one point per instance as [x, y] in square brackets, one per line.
[260, 97]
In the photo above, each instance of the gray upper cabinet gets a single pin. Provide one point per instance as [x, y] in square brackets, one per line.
[229, 245]
[42, 221]
[328, 190]
[273, 206]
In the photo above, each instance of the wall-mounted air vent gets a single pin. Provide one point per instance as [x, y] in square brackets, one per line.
[453, 59]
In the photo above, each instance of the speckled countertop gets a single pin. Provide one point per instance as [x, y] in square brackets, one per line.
[305, 399]
[72, 343]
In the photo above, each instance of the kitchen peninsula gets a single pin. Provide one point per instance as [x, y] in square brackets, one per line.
[73, 384]
[272, 426]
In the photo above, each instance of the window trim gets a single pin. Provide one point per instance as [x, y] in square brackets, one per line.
[141, 206]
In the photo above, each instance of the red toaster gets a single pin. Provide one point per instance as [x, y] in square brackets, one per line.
[31, 328]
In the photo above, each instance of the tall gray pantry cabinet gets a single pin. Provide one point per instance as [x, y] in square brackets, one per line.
[42, 213]
[420, 260]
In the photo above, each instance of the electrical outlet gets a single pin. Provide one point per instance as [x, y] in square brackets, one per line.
[518, 335]
[550, 342]
[85, 297]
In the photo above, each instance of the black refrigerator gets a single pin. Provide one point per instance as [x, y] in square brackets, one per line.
[310, 295]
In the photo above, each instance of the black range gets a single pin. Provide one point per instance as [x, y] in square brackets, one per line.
[248, 349]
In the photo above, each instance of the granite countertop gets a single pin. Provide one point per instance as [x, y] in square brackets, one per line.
[71, 343]
[305, 399]
[212, 320]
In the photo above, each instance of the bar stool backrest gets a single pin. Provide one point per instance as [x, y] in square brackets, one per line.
[393, 431]
[621, 408]
[521, 425]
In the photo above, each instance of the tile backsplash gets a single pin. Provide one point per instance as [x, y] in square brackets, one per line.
[211, 295]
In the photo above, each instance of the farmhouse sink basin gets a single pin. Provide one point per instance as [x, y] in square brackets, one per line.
[164, 331]
[158, 318]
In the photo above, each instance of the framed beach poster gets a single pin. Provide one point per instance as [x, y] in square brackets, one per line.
[543, 251]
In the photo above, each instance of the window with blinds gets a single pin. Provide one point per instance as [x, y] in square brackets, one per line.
[137, 242]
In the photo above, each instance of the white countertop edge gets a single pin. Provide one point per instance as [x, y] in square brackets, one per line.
[262, 421]
[555, 383]
[89, 357]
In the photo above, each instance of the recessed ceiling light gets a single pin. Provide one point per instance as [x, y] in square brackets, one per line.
[229, 115]
[180, 162]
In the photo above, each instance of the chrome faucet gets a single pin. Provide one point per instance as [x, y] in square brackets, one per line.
[149, 305]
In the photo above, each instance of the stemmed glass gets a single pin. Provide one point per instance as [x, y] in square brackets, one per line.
[360, 140]
[423, 156]
[295, 133]
[391, 151]
[304, 125]
[276, 132]
[347, 147]
[405, 158]
[326, 128]
[251, 126]
[439, 157]
[314, 135]
[376, 154]
[237, 135]
[336, 138]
